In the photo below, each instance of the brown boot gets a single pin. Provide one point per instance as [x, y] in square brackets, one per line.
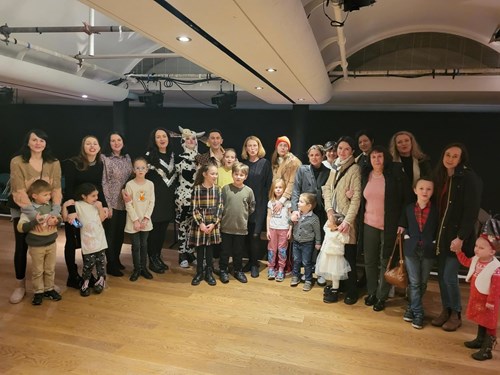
[485, 353]
[441, 318]
[453, 322]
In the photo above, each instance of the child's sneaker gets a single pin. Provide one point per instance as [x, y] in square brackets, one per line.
[408, 315]
[99, 285]
[53, 295]
[307, 286]
[37, 299]
[295, 281]
[418, 322]
[85, 289]
[271, 274]
[280, 276]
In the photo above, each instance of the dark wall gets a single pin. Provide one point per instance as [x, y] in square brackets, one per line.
[66, 125]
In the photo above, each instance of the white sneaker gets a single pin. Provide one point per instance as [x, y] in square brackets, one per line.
[321, 281]
[18, 295]
[184, 264]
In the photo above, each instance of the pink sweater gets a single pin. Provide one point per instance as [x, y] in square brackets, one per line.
[374, 194]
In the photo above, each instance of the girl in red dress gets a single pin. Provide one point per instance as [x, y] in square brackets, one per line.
[484, 299]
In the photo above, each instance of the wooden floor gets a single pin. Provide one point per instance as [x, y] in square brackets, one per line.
[167, 326]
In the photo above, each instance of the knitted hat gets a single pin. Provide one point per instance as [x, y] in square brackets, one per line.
[285, 139]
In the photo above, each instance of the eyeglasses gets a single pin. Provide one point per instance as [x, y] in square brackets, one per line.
[140, 168]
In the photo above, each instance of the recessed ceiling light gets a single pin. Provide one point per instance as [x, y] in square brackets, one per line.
[259, 88]
[301, 99]
[271, 70]
[183, 38]
[85, 96]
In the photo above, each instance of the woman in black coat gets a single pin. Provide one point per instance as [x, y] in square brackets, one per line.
[458, 196]
[163, 175]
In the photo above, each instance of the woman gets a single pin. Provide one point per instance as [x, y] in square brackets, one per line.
[330, 150]
[385, 191]
[405, 149]
[309, 179]
[259, 180]
[365, 141]
[185, 164]
[342, 195]
[117, 168]
[458, 195]
[162, 173]
[85, 167]
[34, 161]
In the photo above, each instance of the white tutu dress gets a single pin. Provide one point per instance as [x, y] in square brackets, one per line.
[331, 263]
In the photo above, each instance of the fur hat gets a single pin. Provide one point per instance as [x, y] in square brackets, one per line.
[285, 139]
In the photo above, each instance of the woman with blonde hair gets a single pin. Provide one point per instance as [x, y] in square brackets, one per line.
[405, 149]
[259, 180]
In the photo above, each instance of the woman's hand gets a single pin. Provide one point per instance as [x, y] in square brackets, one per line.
[349, 193]
[126, 196]
[295, 216]
[277, 206]
[344, 227]
[456, 245]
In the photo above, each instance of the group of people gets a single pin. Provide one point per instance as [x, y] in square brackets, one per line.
[328, 211]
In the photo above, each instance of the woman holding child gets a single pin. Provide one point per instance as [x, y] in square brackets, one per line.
[33, 161]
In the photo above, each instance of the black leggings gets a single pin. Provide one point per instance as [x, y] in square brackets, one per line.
[20, 251]
[157, 237]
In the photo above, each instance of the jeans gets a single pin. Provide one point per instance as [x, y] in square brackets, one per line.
[302, 254]
[418, 269]
[375, 262]
[139, 250]
[448, 282]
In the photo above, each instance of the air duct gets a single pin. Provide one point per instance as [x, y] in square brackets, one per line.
[35, 77]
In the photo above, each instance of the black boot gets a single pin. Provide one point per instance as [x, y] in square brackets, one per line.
[331, 295]
[198, 277]
[74, 279]
[477, 343]
[161, 263]
[113, 269]
[209, 277]
[489, 343]
[154, 265]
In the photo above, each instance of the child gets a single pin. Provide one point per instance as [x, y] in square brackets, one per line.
[331, 263]
[90, 214]
[484, 299]
[420, 220]
[139, 209]
[239, 203]
[279, 231]
[306, 237]
[225, 171]
[41, 241]
[207, 206]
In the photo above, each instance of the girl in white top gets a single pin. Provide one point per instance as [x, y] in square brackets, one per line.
[139, 197]
[279, 231]
[90, 214]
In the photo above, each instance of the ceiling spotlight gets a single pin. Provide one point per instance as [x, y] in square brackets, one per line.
[301, 99]
[183, 38]
[85, 96]
[259, 88]
[270, 70]
[496, 35]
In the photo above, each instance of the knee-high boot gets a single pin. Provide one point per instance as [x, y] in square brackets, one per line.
[199, 267]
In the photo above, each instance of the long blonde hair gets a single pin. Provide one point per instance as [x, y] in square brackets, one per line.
[416, 151]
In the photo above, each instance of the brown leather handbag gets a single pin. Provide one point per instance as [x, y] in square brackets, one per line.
[396, 275]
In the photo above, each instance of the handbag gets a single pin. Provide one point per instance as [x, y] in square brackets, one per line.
[397, 275]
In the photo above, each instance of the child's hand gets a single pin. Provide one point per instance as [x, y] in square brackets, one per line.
[289, 234]
[203, 227]
[210, 227]
[268, 235]
[489, 306]
[317, 246]
[137, 225]
[144, 223]
[52, 221]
